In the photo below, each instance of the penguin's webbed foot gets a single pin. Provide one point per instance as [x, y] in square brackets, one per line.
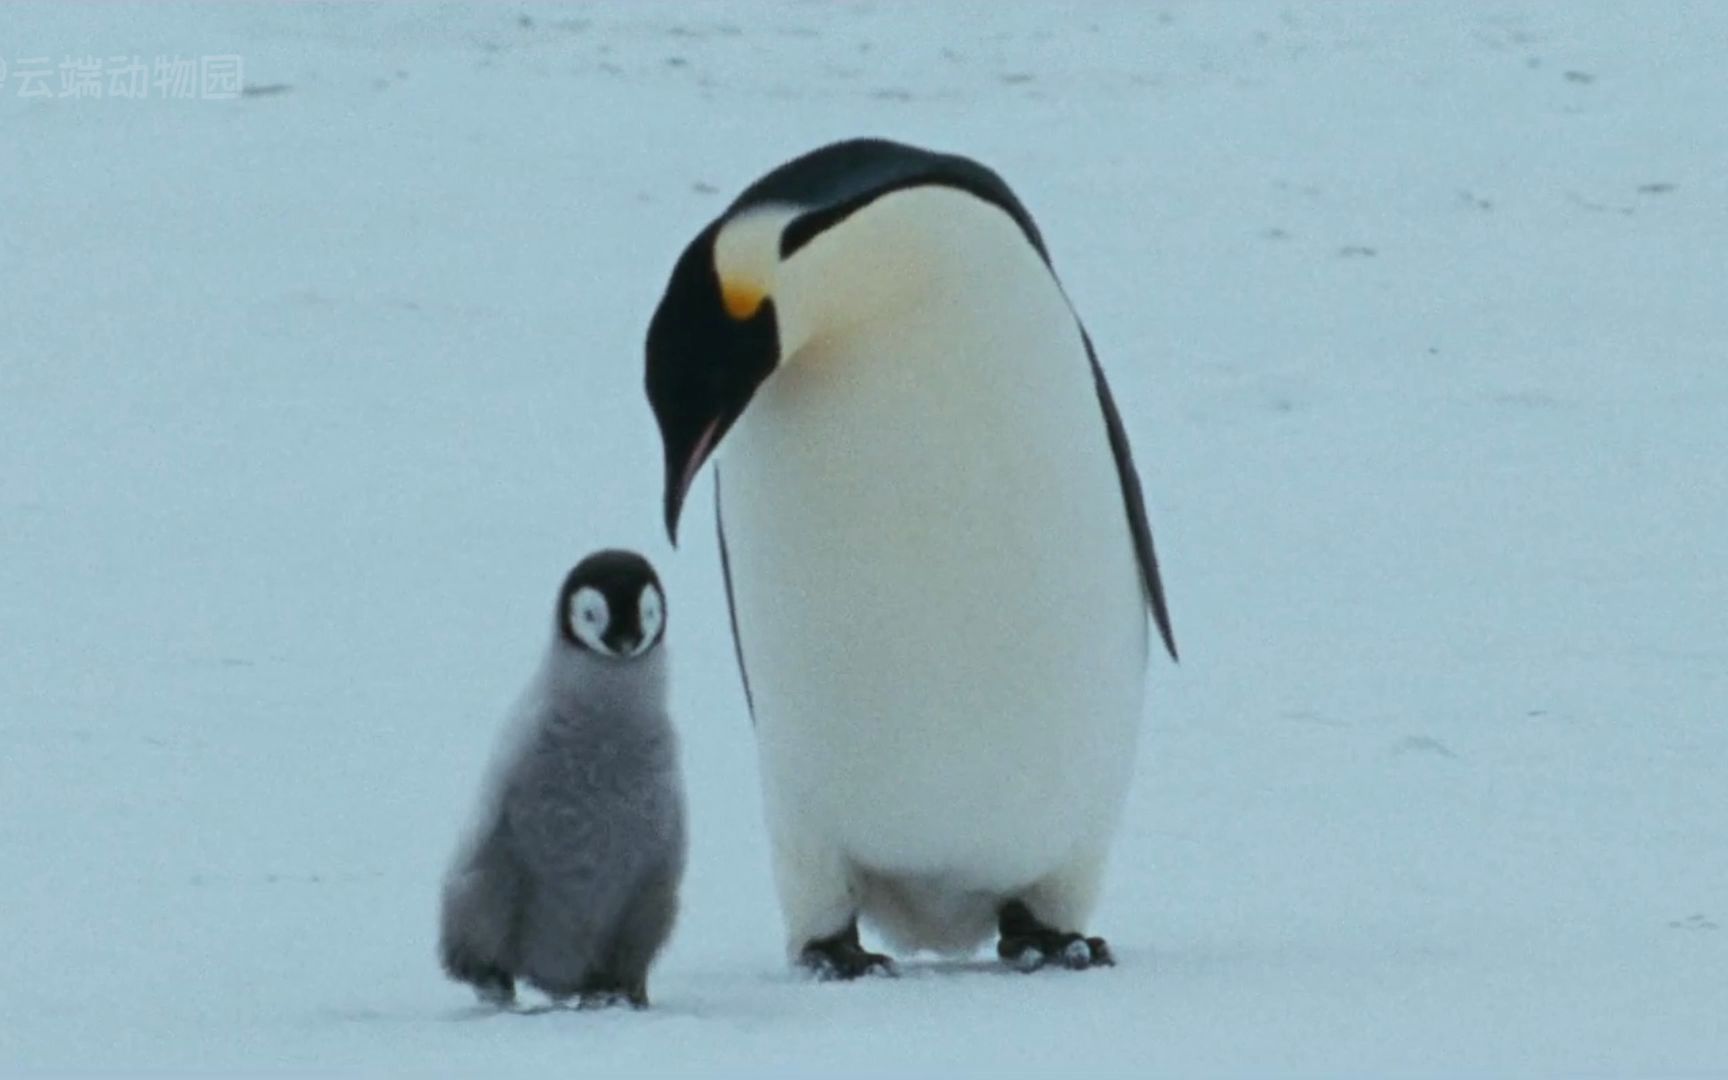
[606, 992]
[492, 984]
[1028, 944]
[498, 992]
[842, 957]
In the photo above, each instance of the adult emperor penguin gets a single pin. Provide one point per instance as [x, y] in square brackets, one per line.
[935, 547]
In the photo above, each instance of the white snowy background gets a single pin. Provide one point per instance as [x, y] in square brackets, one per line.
[1418, 317]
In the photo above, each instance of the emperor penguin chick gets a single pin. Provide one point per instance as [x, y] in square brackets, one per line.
[569, 878]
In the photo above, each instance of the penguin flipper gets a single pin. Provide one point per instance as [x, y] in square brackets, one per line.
[731, 604]
[1134, 501]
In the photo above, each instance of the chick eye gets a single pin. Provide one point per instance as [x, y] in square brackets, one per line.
[650, 614]
[589, 617]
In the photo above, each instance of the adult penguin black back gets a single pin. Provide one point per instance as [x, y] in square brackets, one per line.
[937, 553]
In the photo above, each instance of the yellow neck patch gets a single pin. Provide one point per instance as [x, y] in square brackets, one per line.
[742, 300]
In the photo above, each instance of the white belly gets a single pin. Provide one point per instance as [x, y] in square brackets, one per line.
[936, 593]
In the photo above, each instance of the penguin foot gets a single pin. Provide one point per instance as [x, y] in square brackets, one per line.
[1027, 944]
[604, 999]
[842, 957]
[605, 992]
[499, 993]
[492, 984]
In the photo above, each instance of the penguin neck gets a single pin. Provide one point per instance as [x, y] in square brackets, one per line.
[603, 687]
[932, 250]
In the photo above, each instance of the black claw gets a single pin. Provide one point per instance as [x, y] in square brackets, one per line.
[1029, 945]
[842, 957]
[1101, 954]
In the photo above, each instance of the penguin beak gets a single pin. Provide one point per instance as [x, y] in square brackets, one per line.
[625, 645]
[697, 396]
[682, 467]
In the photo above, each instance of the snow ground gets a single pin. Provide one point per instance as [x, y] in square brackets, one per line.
[1417, 318]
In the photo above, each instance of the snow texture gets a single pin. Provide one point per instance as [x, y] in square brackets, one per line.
[1417, 318]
